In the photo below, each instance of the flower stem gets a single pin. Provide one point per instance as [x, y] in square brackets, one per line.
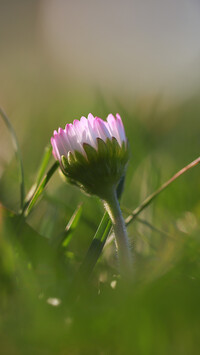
[112, 206]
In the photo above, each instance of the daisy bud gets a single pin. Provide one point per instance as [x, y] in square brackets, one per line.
[92, 153]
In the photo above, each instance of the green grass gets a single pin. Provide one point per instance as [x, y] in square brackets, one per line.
[158, 312]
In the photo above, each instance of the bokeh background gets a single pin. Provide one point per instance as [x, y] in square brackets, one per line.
[60, 60]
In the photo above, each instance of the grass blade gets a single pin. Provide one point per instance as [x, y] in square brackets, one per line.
[65, 237]
[18, 155]
[41, 187]
[150, 198]
[45, 160]
[153, 228]
[146, 223]
[41, 172]
[71, 225]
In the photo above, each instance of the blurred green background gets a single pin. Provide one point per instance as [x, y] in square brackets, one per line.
[61, 60]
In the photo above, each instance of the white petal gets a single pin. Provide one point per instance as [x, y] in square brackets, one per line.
[91, 119]
[72, 137]
[85, 133]
[64, 140]
[84, 122]
[102, 129]
[108, 128]
[113, 127]
[78, 128]
[93, 133]
[86, 138]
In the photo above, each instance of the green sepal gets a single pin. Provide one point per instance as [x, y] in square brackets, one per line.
[113, 147]
[125, 152]
[71, 159]
[80, 158]
[90, 151]
[116, 147]
[102, 148]
[65, 163]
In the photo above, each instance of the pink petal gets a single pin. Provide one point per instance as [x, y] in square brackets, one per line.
[54, 150]
[64, 140]
[58, 144]
[121, 130]
[87, 130]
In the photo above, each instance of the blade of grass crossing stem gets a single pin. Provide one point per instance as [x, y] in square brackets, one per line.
[41, 187]
[150, 198]
[99, 239]
[96, 246]
[18, 156]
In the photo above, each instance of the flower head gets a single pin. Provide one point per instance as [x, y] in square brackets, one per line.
[92, 153]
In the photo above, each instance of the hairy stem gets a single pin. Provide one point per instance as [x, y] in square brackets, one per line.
[125, 261]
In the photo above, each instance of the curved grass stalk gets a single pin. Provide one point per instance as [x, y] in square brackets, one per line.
[151, 197]
[18, 156]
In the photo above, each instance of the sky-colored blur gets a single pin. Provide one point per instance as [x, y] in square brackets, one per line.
[128, 47]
